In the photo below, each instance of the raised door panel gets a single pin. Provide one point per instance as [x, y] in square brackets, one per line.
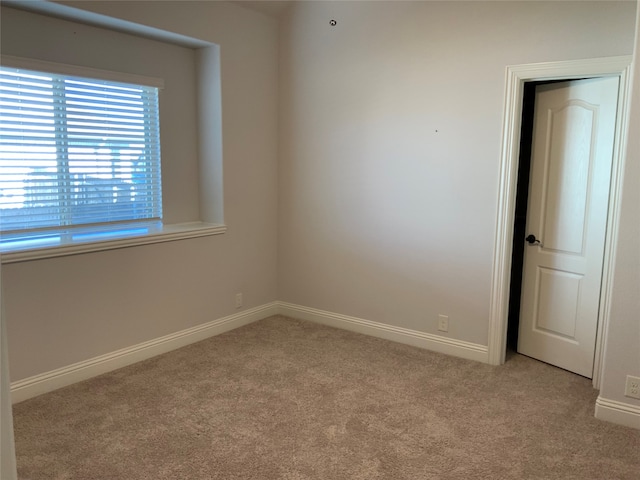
[568, 163]
[556, 304]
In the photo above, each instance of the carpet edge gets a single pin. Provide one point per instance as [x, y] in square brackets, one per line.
[61, 377]
[436, 343]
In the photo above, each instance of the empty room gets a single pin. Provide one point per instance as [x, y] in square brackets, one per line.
[319, 239]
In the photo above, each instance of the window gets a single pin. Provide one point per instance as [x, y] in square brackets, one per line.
[80, 153]
[75, 152]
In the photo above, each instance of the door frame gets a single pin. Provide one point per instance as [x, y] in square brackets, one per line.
[516, 77]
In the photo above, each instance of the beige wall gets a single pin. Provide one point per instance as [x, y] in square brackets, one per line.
[622, 351]
[64, 310]
[390, 144]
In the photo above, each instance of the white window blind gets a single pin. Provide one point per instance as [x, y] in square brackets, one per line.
[76, 151]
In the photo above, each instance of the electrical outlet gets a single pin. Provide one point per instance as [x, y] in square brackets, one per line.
[443, 323]
[238, 300]
[632, 388]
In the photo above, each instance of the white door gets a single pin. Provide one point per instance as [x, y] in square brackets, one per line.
[573, 136]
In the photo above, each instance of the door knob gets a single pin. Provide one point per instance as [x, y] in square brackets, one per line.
[532, 240]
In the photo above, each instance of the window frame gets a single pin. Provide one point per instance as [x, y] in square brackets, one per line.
[77, 239]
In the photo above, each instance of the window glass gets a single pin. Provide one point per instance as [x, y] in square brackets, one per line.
[76, 151]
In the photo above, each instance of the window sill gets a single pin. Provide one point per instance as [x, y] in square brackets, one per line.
[59, 244]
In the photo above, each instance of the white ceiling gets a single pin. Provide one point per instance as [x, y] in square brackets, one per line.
[273, 8]
[276, 8]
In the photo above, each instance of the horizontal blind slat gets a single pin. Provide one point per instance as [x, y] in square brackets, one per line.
[76, 151]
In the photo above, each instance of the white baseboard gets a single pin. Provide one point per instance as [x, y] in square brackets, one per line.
[77, 372]
[61, 377]
[436, 343]
[608, 410]
[618, 412]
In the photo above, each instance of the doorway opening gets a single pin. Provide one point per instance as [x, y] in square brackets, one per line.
[516, 79]
[521, 205]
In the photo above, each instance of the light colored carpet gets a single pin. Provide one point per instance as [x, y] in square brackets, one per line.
[286, 399]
